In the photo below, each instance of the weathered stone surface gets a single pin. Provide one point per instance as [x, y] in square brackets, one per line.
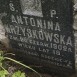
[3, 39]
[74, 26]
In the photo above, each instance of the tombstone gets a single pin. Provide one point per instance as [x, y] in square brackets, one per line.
[41, 31]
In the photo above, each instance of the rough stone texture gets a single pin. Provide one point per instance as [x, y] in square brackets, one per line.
[31, 7]
[5, 40]
[75, 28]
[2, 31]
